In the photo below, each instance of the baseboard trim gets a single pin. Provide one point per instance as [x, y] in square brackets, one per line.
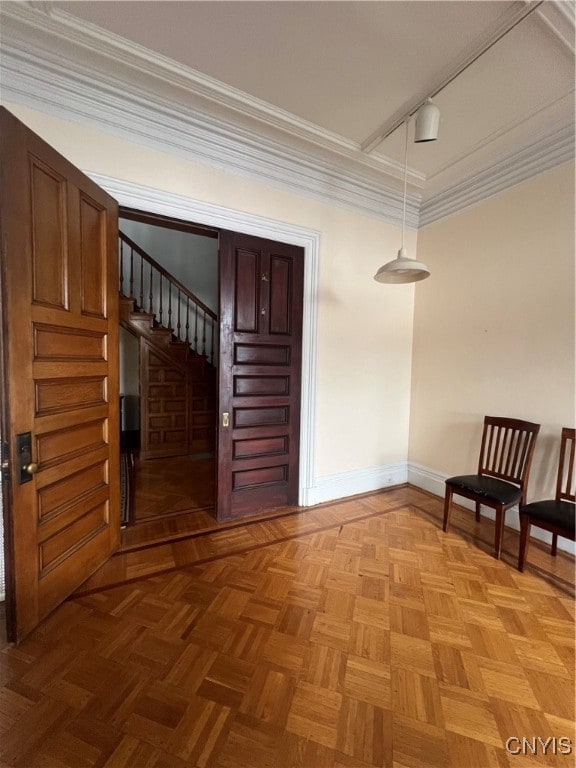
[429, 480]
[342, 484]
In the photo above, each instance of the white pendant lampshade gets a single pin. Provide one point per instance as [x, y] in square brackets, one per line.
[427, 122]
[402, 269]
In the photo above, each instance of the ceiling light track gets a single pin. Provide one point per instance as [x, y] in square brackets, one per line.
[381, 135]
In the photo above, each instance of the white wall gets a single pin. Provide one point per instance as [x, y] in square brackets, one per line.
[364, 328]
[494, 329]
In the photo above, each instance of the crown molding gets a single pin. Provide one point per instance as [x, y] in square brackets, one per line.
[54, 63]
[40, 81]
[560, 17]
[45, 22]
[542, 155]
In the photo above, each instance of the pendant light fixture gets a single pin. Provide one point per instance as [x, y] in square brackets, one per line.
[427, 123]
[402, 269]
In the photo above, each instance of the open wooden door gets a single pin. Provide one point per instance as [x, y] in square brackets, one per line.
[261, 299]
[60, 353]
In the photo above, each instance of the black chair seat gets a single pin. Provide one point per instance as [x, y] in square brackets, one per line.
[488, 488]
[557, 513]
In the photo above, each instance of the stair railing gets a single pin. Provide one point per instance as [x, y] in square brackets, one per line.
[159, 293]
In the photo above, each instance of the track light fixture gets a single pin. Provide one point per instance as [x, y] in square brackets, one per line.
[427, 122]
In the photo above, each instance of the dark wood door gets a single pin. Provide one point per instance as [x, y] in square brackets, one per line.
[261, 294]
[60, 351]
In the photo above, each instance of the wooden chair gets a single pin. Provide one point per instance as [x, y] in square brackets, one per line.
[503, 468]
[555, 515]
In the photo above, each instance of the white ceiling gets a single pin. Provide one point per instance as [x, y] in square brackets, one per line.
[325, 82]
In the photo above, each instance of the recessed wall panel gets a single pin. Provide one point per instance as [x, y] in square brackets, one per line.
[255, 478]
[261, 354]
[54, 447]
[246, 306]
[261, 417]
[256, 386]
[280, 295]
[56, 343]
[92, 258]
[263, 446]
[49, 236]
[54, 498]
[60, 395]
[58, 546]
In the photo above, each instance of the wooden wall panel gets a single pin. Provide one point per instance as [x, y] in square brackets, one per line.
[54, 447]
[254, 386]
[261, 354]
[49, 236]
[92, 258]
[248, 286]
[261, 446]
[60, 395]
[256, 478]
[56, 343]
[260, 417]
[56, 547]
[164, 405]
[54, 498]
[280, 295]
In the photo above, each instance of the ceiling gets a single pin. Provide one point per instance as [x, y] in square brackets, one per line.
[328, 84]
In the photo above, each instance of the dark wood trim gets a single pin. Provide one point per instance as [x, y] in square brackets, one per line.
[157, 220]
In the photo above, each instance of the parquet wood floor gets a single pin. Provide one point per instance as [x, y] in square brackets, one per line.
[164, 487]
[350, 635]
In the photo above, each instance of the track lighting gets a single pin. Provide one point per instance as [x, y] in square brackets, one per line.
[427, 122]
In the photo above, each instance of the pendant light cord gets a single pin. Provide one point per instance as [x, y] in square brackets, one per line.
[405, 181]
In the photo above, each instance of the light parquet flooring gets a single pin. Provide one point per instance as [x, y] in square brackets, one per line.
[351, 635]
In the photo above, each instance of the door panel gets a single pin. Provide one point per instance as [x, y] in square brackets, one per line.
[261, 284]
[60, 350]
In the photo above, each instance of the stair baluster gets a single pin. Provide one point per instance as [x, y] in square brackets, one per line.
[158, 279]
[141, 282]
[131, 292]
[204, 334]
[121, 266]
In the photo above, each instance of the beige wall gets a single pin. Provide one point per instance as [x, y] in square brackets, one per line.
[364, 328]
[494, 326]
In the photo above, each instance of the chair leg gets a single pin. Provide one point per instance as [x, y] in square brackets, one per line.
[447, 503]
[554, 544]
[477, 511]
[499, 532]
[524, 541]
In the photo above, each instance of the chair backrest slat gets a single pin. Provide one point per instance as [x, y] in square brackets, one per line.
[507, 449]
[566, 482]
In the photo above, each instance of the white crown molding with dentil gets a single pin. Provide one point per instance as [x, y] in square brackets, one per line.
[120, 88]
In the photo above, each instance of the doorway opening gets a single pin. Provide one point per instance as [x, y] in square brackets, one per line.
[168, 362]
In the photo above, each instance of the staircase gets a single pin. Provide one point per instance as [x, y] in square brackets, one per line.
[177, 375]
